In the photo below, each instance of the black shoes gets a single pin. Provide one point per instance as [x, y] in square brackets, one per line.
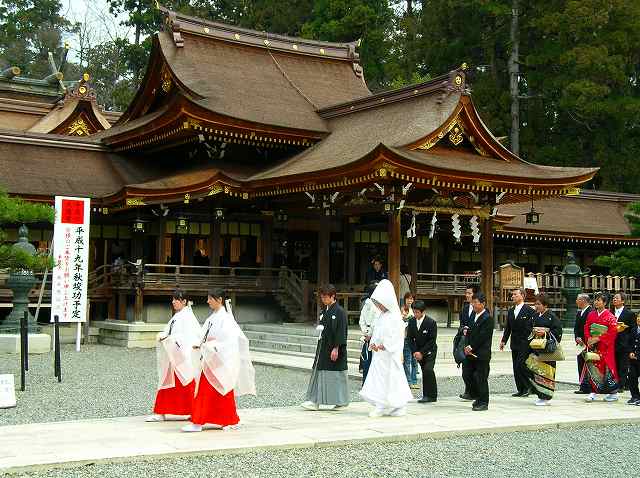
[520, 394]
[427, 400]
[633, 401]
[466, 396]
[480, 407]
[581, 392]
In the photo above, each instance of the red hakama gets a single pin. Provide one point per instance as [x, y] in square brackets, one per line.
[177, 400]
[211, 407]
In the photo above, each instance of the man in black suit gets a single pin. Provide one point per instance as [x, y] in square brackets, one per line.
[582, 303]
[465, 317]
[623, 345]
[422, 332]
[634, 363]
[479, 352]
[518, 328]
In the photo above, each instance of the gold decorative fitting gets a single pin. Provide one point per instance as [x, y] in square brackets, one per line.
[295, 47]
[215, 189]
[82, 90]
[85, 76]
[187, 197]
[135, 202]
[78, 128]
[105, 210]
[206, 29]
[464, 66]
[165, 79]
[267, 42]
[382, 172]
[322, 51]
[458, 80]
[573, 192]
[236, 36]
[245, 195]
[456, 136]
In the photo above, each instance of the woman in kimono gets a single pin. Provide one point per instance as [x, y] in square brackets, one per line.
[600, 332]
[176, 361]
[386, 386]
[543, 373]
[226, 369]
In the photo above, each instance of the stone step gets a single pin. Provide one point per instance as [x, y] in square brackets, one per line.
[291, 338]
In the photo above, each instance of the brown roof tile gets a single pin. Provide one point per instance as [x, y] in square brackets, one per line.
[47, 169]
[571, 215]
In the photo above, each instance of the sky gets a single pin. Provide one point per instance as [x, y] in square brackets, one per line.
[101, 25]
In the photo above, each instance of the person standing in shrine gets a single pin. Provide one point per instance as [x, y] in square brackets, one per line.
[226, 371]
[600, 332]
[176, 361]
[422, 332]
[465, 318]
[518, 328]
[408, 360]
[329, 383]
[478, 352]
[584, 308]
[376, 273]
[386, 386]
[634, 363]
[626, 321]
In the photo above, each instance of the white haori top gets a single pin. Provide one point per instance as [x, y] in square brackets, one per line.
[175, 351]
[226, 361]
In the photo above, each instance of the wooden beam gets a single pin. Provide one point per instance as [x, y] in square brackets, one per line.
[393, 251]
[487, 262]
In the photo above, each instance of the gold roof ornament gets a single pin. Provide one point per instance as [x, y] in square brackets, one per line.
[78, 128]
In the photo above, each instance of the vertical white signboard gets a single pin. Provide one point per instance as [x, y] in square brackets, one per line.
[7, 392]
[71, 256]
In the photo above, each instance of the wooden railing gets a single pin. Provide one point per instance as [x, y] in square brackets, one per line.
[445, 284]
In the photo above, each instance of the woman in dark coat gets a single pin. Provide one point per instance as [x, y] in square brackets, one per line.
[543, 373]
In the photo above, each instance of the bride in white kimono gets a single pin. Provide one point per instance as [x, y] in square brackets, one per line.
[386, 385]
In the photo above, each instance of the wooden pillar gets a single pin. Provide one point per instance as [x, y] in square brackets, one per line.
[214, 244]
[267, 242]
[324, 237]
[138, 305]
[434, 249]
[350, 253]
[393, 252]
[161, 254]
[412, 245]
[122, 306]
[487, 261]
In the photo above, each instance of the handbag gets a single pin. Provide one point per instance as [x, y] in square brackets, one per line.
[552, 344]
[591, 356]
[538, 343]
[556, 356]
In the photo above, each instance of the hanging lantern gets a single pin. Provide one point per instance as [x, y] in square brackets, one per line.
[218, 213]
[182, 225]
[138, 226]
[532, 217]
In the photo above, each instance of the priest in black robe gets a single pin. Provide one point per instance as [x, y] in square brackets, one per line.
[329, 384]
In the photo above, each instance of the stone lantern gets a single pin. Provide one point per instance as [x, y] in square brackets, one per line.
[21, 282]
[572, 275]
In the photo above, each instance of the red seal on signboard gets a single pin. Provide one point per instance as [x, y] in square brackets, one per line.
[72, 212]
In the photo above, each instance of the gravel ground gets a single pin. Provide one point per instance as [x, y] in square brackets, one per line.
[102, 382]
[538, 454]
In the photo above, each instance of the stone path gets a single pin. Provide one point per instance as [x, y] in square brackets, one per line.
[566, 372]
[89, 441]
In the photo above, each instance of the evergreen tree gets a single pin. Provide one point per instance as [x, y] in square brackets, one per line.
[29, 30]
[17, 211]
[626, 261]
